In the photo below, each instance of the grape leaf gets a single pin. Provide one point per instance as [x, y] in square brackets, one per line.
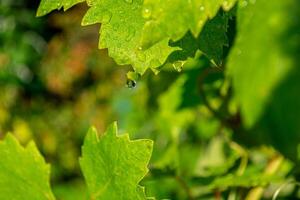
[210, 41]
[46, 6]
[189, 15]
[258, 62]
[121, 30]
[266, 79]
[114, 165]
[23, 172]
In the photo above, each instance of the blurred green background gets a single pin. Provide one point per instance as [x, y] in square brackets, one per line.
[55, 84]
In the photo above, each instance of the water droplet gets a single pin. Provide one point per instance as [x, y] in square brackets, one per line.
[128, 1]
[90, 3]
[253, 1]
[244, 3]
[43, 11]
[178, 65]
[132, 77]
[130, 34]
[155, 71]
[147, 12]
[106, 17]
[200, 23]
[131, 83]
[202, 8]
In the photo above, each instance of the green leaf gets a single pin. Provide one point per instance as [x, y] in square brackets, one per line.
[23, 172]
[259, 60]
[216, 159]
[114, 165]
[173, 19]
[211, 41]
[46, 6]
[121, 31]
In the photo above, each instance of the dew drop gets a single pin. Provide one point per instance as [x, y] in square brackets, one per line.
[128, 1]
[132, 78]
[202, 8]
[106, 17]
[44, 12]
[147, 12]
[131, 83]
[90, 3]
[155, 71]
[178, 65]
[244, 3]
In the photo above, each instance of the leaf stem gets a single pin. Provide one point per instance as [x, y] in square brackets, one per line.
[273, 166]
[185, 187]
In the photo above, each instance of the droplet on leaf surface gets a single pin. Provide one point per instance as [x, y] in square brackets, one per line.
[147, 12]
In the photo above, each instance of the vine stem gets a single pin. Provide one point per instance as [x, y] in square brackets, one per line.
[273, 166]
[202, 77]
[232, 122]
[186, 188]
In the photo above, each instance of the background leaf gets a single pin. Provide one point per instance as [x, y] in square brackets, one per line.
[23, 172]
[113, 165]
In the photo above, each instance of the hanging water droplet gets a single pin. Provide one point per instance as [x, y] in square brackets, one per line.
[131, 83]
[132, 78]
[90, 3]
[44, 12]
[178, 65]
[147, 12]
[106, 17]
[155, 71]
[128, 1]
[202, 8]
[244, 3]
